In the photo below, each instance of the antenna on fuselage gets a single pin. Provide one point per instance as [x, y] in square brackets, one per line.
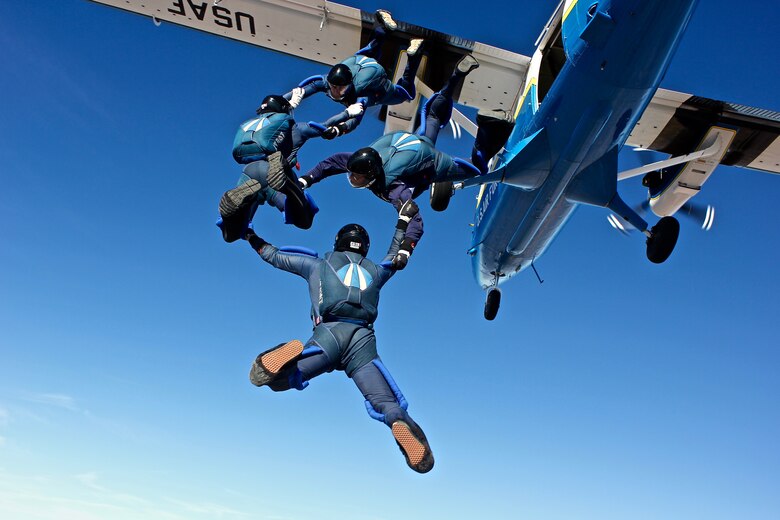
[533, 266]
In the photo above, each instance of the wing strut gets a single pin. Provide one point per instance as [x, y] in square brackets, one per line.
[710, 151]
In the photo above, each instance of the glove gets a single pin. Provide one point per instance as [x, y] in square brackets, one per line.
[297, 97]
[355, 109]
[255, 241]
[408, 210]
[305, 181]
[406, 213]
[335, 131]
[331, 132]
[400, 260]
[404, 252]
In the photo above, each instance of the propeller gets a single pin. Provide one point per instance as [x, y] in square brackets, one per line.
[700, 213]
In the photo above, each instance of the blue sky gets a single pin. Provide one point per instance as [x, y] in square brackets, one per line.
[617, 389]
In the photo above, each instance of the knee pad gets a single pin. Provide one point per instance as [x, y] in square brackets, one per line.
[399, 397]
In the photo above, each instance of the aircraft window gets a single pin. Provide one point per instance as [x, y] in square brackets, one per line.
[553, 60]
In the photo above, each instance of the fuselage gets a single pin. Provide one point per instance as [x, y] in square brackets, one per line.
[589, 82]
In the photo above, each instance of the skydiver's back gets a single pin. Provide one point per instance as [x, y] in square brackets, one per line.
[350, 285]
[263, 135]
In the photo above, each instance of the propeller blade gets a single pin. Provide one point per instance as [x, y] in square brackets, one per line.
[699, 213]
[622, 226]
[456, 129]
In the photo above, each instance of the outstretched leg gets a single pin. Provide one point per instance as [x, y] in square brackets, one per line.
[374, 382]
[290, 365]
[237, 207]
[275, 364]
[437, 111]
[405, 87]
[383, 22]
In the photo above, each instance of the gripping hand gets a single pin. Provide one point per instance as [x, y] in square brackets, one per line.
[297, 97]
[408, 210]
[404, 252]
[331, 132]
[255, 241]
[406, 213]
[305, 181]
[400, 260]
[355, 109]
[334, 131]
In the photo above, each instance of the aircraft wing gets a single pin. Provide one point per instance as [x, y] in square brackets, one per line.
[326, 32]
[677, 123]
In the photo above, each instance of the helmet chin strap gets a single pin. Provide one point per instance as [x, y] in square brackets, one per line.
[361, 187]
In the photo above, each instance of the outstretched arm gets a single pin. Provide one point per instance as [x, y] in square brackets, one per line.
[346, 121]
[333, 165]
[306, 88]
[291, 262]
[397, 258]
[408, 214]
[397, 196]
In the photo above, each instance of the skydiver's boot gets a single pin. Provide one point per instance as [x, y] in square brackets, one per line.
[413, 444]
[297, 207]
[415, 47]
[282, 179]
[464, 67]
[235, 208]
[493, 129]
[275, 363]
[385, 19]
[466, 64]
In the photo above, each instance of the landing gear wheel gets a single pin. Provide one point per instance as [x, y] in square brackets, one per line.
[441, 193]
[663, 238]
[492, 303]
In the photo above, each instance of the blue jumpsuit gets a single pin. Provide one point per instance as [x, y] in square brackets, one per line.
[411, 162]
[370, 83]
[259, 137]
[344, 289]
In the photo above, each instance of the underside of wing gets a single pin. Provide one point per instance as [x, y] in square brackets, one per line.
[677, 123]
[326, 32]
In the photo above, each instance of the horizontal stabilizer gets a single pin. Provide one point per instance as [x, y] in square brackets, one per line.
[676, 123]
[527, 169]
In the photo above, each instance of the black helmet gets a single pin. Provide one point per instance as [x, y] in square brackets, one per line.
[274, 103]
[352, 237]
[340, 75]
[364, 166]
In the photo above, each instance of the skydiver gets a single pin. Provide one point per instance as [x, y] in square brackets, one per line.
[400, 166]
[361, 79]
[344, 288]
[271, 137]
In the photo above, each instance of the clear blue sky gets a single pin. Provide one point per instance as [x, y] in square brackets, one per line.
[617, 389]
